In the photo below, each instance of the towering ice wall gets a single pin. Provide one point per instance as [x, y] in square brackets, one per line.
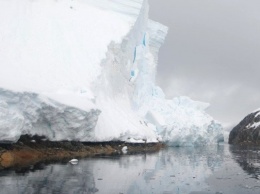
[85, 70]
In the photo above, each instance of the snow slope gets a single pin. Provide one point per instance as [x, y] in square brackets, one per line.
[85, 70]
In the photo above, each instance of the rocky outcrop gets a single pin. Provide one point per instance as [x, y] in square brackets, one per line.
[31, 150]
[247, 131]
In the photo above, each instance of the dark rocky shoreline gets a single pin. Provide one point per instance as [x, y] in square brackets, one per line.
[247, 132]
[30, 150]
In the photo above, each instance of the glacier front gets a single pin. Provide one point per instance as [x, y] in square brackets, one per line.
[85, 70]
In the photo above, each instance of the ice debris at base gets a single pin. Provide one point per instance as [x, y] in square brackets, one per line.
[85, 70]
[124, 150]
[74, 161]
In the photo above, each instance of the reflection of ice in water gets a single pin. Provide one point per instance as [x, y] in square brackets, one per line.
[179, 170]
[174, 170]
[51, 179]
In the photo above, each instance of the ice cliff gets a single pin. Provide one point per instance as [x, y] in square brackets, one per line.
[85, 70]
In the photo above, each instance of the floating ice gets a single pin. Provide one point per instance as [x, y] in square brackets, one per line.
[74, 161]
[124, 149]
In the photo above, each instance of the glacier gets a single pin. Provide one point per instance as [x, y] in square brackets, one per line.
[85, 70]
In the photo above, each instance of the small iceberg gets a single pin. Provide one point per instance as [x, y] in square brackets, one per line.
[74, 161]
[124, 150]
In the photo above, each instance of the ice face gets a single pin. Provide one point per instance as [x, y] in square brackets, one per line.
[85, 70]
[28, 113]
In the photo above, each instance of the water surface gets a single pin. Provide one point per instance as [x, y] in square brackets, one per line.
[201, 170]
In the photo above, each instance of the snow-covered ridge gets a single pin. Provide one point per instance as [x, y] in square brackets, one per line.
[85, 70]
[247, 131]
[256, 122]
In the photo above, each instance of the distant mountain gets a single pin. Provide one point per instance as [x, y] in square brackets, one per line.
[247, 131]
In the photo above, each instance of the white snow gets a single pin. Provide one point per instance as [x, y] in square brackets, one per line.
[85, 70]
[257, 113]
[254, 124]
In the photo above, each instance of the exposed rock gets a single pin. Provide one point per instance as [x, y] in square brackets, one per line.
[34, 149]
[247, 131]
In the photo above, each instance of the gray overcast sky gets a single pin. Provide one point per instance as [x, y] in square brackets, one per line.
[211, 54]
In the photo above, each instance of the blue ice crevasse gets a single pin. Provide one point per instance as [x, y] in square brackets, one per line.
[144, 39]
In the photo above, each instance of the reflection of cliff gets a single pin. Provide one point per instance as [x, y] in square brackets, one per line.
[173, 170]
[50, 179]
[179, 170]
[248, 158]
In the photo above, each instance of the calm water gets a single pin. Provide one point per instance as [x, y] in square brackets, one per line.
[202, 170]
